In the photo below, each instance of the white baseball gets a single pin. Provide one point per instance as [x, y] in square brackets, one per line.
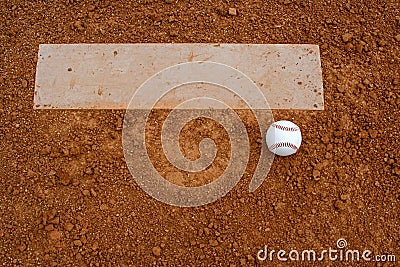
[283, 138]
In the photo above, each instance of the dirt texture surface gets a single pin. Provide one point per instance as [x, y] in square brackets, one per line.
[68, 199]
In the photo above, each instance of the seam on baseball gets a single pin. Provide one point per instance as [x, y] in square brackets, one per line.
[285, 128]
[283, 144]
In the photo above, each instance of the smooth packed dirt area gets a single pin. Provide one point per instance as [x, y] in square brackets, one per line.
[67, 197]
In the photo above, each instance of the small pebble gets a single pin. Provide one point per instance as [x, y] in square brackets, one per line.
[22, 247]
[93, 193]
[68, 226]
[250, 258]
[54, 235]
[157, 251]
[316, 173]
[63, 177]
[213, 242]
[339, 205]
[345, 197]
[232, 11]
[347, 37]
[49, 227]
[91, 8]
[173, 33]
[78, 243]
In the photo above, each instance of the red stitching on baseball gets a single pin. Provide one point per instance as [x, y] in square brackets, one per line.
[283, 144]
[285, 128]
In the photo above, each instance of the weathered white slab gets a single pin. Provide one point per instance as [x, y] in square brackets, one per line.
[105, 76]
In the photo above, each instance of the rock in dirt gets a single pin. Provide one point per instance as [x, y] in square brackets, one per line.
[156, 251]
[339, 205]
[93, 193]
[359, 47]
[50, 214]
[373, 133]
[232, 11]
[316, 173]
[22, 247]
[363, 134]
[46, 150]
[344, 197]
[213, 242]
[68, 226]
[397, 37]
[79, 256]
[49, 227]
[103, 207]
[63, 177]
[173, 33]
[89, 171]
[95, 245]
[56, 220]
[91, 8]
[250, 258]
[55, 235]
[78, 243]
[24, 83]
[79, 25]
[30, 173]
[347, 37]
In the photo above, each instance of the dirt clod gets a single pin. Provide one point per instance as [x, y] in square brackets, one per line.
[156, 251]
[24, 83]
[232, 11]
[78, 243]
[63, 177]
[49, 227]
[347, 37]
[345, 197]
[213, 242]
[78, 25]
[316, 173]
[55, 235]
[22, 247]
[68, 226]
[340, 205]
[91, 8]
[86, 193]
[103, 207]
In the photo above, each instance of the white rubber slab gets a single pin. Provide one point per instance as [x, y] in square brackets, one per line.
[106, 76]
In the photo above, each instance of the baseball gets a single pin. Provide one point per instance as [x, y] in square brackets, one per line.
[283, 138]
